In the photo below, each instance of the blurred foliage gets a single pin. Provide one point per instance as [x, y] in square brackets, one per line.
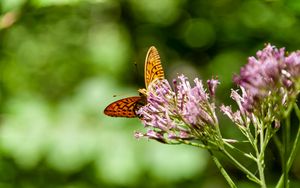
[62, 61]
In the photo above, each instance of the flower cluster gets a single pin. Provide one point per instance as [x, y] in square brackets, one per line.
[269, 83]
[183, 113]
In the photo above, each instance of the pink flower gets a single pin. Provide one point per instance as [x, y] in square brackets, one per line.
[269, 83]
[181, 114]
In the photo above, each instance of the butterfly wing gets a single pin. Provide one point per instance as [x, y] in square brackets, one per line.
[126, 107]
[153, 68]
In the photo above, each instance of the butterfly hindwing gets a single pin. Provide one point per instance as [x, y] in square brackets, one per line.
[126, 107]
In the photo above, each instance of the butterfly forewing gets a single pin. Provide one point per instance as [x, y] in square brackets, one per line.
[153, 68]
[126, 107]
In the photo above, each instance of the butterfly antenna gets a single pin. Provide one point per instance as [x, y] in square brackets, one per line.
[136, 72]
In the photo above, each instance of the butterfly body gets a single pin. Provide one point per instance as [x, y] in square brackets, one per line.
[128, 107]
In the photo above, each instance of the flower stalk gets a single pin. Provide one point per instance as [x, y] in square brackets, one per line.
[283, 181]
[222, 170]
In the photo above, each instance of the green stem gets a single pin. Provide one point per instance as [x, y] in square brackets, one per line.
[249, 174]
[196, 144]
[217, 162]
[294, 150]
[286, 141]
[222, 170]
[240, 151]
[260, 166]
[260, 157]
[250, 137]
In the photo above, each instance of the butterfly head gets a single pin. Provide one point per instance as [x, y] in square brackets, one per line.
[143, 92]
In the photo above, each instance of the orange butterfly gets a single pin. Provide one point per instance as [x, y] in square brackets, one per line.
[128, 107]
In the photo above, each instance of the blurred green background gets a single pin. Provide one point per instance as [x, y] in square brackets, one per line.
[63, 61]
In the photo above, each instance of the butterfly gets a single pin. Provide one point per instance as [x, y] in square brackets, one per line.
[129, 106]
